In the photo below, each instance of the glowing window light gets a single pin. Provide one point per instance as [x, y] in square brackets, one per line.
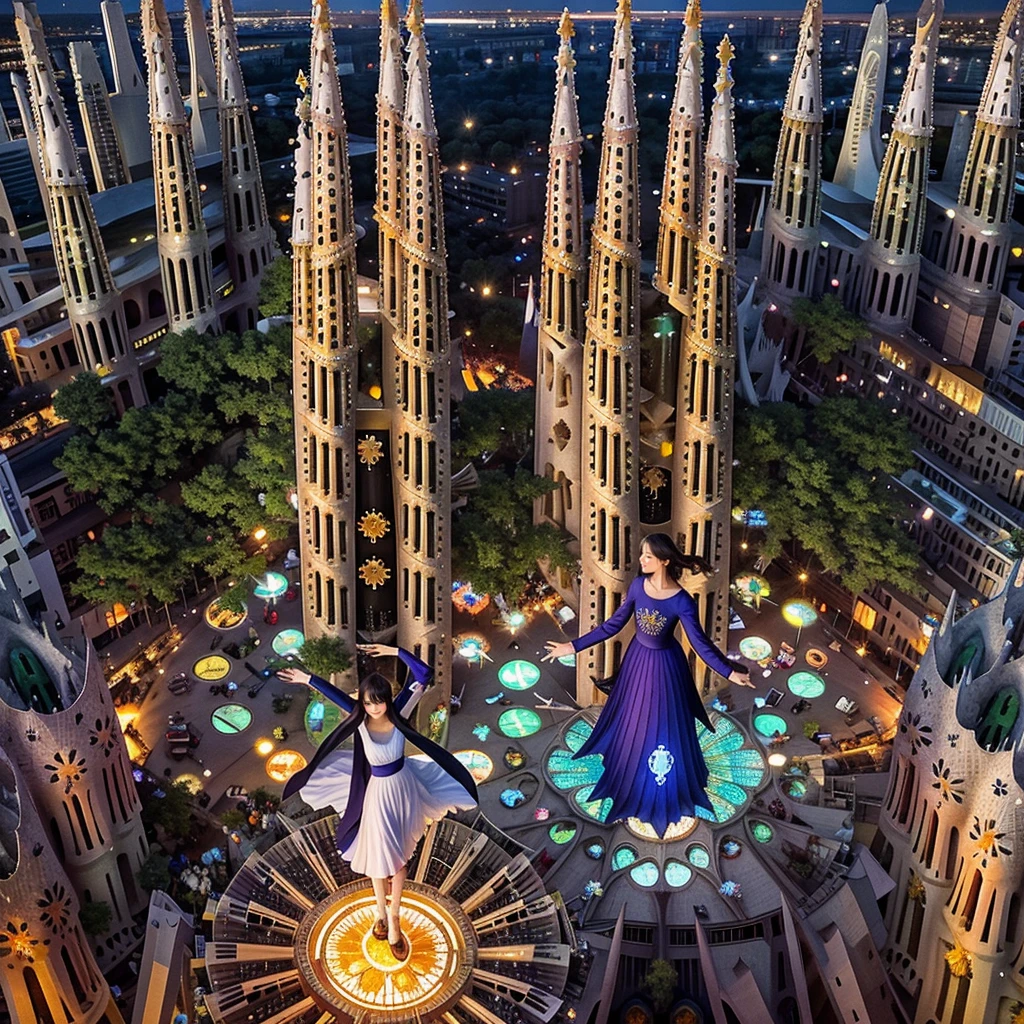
[762, 832]
[698, 856]
[562, 832]
[677, 874]
[623, 856]
[645, 873]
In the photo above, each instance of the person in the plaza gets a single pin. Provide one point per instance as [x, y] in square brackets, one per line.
[385, 799]
[654, 768]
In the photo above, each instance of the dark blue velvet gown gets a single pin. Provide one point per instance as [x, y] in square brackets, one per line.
[654, 769]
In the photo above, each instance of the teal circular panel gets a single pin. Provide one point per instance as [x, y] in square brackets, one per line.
[623, 857]
[568, 659]
[518, 675]
[271, 585]
[799, 613]
[754, 648]
[677, 874]
[806, 684]
[288, 641]
[768, 725]
[645, 873]
[761, 831]
[519, 722]
[231, 718]
[562, 832]
[698, 856]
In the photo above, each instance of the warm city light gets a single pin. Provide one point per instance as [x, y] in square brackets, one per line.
[259, 533]
[264, 747]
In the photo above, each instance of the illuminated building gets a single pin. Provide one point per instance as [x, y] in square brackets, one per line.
[101, 135]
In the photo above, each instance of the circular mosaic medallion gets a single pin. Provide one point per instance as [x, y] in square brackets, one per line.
[754, 648]
[769, 725]
[518, 675]
[273, 584]
[645, 873]
[562, 832]
[288, 641]
[221, 618]
[283, 764]
[212, 668]
[761, 831]
[353, 975]
[231, 718]
[477, 763]
[698, 856]
[806, 684]
[519, 722]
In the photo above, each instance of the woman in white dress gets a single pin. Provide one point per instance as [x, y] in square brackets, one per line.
[386, 800]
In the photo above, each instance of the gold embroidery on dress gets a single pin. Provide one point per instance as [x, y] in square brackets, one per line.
[649, 621]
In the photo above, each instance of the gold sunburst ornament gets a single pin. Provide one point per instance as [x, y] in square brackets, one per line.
[652, 479]
[373, 526]
[960, 962]
[374, 573]
[370, 450]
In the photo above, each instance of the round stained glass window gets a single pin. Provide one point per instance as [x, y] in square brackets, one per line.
[562, 832]
[518, 675]
[623, 857]
[769, 725]
[288, 641]
[477, 763]
[677, 874]
[754, 648]
[761, 831]
[806, 684]
[795, 788]
[599, 809]
[231, 718]
[645, 873]
[273, 584]
[519, 722]
[698, 856]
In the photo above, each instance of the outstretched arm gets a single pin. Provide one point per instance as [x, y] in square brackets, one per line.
[701, 643]
[420, 675]
[612, 625]
[298, 675]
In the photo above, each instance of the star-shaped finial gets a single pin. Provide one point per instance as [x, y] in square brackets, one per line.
[565, 27]
[414, 17]
[302, 81]
[725, 56]
[691, 19]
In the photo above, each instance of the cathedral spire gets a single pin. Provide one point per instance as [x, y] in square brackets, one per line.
[249, 241]
[94, 303]
[182, 239]
[562, 289]
[897, 220]
[680, 190]
[611, 421]
[202, 79]
[105, 154]
[702, 452]
[789, 252]
[390, 106]
[861, 155]
[326, 350]
[421, 429]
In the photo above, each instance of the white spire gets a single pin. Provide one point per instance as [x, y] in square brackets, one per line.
[128, 80]
[230, 86]
[914, 115]
[620, 111]
[1000, 99]
[325, 96]
[721, 137]
[565, 121]
[803, 99]
[301, 232]
[419, 109]
[391, 86]
[165, 102]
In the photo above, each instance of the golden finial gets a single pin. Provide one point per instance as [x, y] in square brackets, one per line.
[624, 9]
[725, 56]
[414, 17]
[691, 19]
[565, 27]
[301, 80]
[322, 15]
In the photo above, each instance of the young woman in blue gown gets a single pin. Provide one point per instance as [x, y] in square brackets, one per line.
[654, 768]
[385, 798]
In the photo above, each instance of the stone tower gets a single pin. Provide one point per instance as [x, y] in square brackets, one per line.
[609, 502]
[47, 970]
[94, 303]
[679, 227]
[61, 729]
[978, 247]
[421, 432]
[182, 241]
[861, 156]
[128, 102]
[897, 221]
[326, 349]
[202, 80]
[250, 243]
[951, 819]
[562, 289]
[390, 107]
[702, 452]
[108, 165]
[789, 255]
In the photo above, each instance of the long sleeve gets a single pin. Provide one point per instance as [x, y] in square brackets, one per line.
[699, 640]
[343, 700]
[419, 670]
[420, 674]
[612, 625]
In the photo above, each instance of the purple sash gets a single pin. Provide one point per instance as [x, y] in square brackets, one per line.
[382, 771]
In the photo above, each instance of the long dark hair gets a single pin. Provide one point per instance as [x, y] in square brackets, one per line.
[662, 547]
[377, 689]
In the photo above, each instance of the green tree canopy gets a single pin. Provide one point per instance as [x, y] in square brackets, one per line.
[84, 401]
[495, 543]
[325, 655]
[154, 873]
[96, 917]
[829, 327]
[495, 421]
[823, 478]
[660, 983]
[275, 296]
[172, 811]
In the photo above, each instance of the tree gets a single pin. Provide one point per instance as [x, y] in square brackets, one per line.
[234, 819]
[496, 421]
[828, 326]
[495, 543]
[660, 983]
[154, 873]
[84, 401]
[171, 812]
[275, 295]
[193, 362]
[1017, 541]
[823, 478]
[96, 917]
[325, 655]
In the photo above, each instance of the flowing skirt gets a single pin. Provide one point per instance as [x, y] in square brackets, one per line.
[396, 808]
[654, 768]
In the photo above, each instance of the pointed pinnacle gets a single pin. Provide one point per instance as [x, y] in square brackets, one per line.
[388, 13]
[725, 56]
[414, 17]
[565, 26]
[624, 10]
[302, 81]
[692, 17]
[322, 15]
